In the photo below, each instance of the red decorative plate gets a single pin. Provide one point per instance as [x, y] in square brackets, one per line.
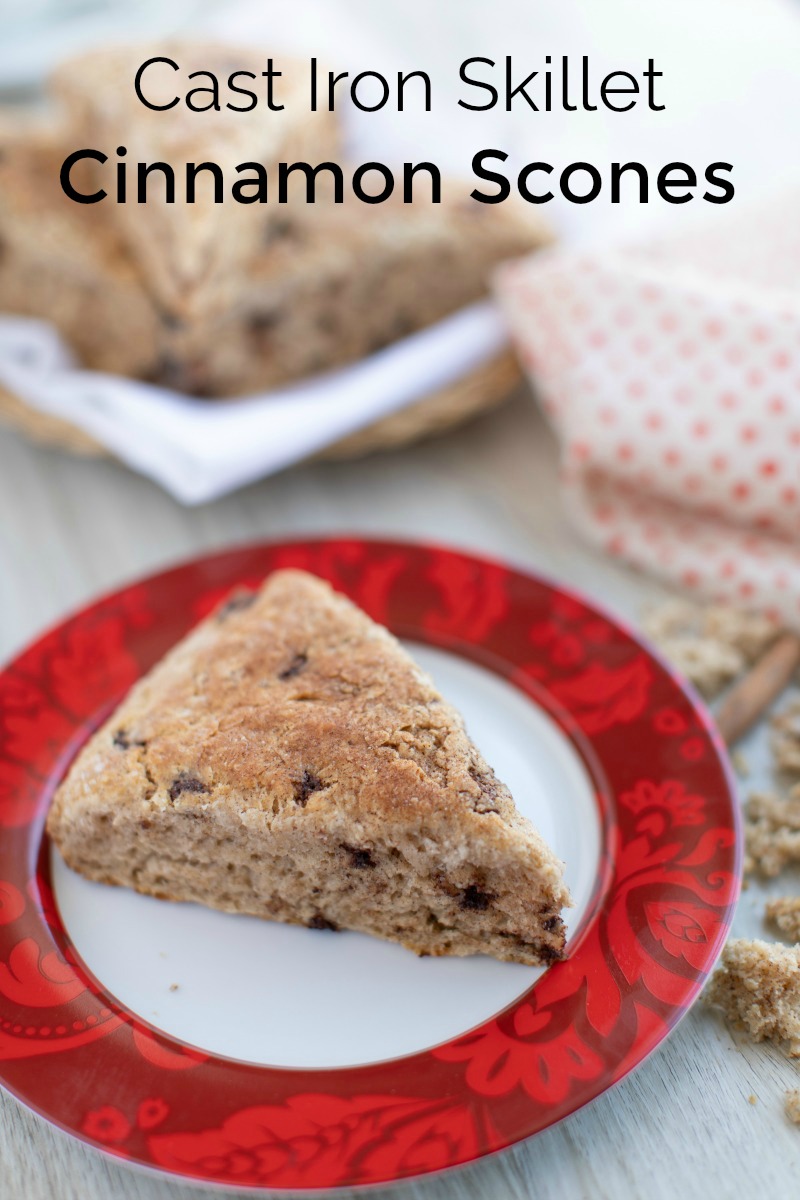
[599, 741]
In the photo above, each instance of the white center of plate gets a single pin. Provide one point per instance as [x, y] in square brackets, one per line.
[285, 996]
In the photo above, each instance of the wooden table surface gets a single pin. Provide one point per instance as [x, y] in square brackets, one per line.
[681, 1125]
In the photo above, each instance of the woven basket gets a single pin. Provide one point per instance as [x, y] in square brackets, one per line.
[485, 387]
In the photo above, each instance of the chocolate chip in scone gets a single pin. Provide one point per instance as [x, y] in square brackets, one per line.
[262, 323]
[551, 924]
[281, 229]
[241, 599]
[548, 953]
[294, 668]
[187, 783]
[169, 372]
[170, 320]
[360, 859]
[123, 740]
[305, 785]
[474, 899]
[320, 922]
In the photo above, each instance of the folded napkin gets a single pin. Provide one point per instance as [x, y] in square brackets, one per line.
[671, 374]
[199, 450]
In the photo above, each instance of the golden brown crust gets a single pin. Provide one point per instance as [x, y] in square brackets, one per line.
[288, 758]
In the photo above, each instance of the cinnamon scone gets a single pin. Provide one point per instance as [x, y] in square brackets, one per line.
[318, 294]
[66, 263]
[334, 290]
[288, 759]
[192, 255]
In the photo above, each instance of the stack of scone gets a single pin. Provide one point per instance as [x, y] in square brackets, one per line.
[220, 300]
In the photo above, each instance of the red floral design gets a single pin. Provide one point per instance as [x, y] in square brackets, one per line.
[164, 1053]
[151, 1113]
[12, 903]
[106, 1124]
[669, 720]
[37, 979]
[397, 1136]
[664, 894]
[693, 749]
[669, 795]
[601, 696]
[684, 930]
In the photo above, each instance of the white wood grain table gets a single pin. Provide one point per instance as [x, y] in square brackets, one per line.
[679, 1126]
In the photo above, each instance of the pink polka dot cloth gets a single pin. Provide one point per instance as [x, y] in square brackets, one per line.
[671, 374]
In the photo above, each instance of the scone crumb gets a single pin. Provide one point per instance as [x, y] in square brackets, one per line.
[752, 1098]
[751, 633]
[173, 987]
[710, 644]
[772, 831]
[792, 1105]
[708, 664]
[785, 913]
[757, 988]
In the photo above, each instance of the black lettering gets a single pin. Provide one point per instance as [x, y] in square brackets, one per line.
[585, 77]
[137, 83]
[520, 90]
[122, 176]
[193, 170]
[606, 91]
[665, 183]
[144, 170]
[213, 89]
[725, 185]
[358, 186]
[271, 75]
[259, 183]
[618, 170]
[66, 183]
[310, 173]
[566, 176]
[332, 82]
[522, 182]
[241, 91]
[492, 177]
[402, 80]
[464, 77]
[651, 75]
[410, 170]
[384, 86]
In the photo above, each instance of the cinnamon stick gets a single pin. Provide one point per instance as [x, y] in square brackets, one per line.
[752, 695]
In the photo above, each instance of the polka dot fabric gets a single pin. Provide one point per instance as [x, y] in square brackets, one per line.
[671, 374]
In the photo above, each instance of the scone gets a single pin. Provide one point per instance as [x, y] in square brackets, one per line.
[191, 255]
[333, 290]
[319, 294]
[66, 263]
[288, 759]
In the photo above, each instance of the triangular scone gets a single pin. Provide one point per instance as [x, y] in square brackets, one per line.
[192, 255]
[288, 759]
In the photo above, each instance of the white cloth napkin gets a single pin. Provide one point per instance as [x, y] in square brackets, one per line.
[199, 449]
[671, 373]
